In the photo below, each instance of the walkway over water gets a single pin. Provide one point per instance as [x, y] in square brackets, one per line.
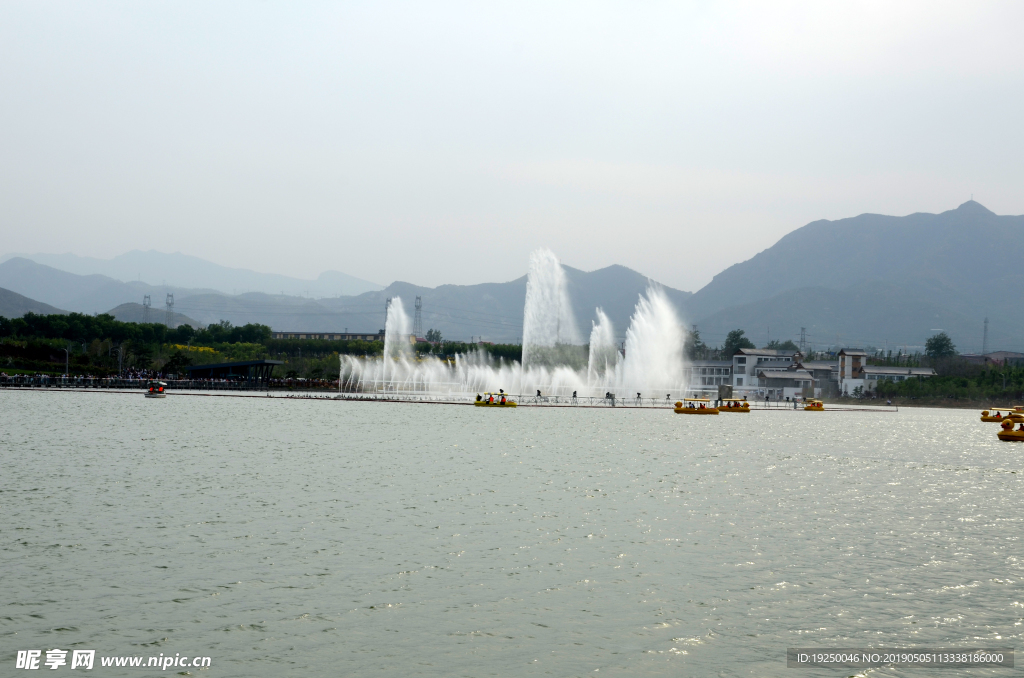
[244, 390]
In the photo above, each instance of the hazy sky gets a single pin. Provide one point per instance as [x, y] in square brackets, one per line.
[440, 143]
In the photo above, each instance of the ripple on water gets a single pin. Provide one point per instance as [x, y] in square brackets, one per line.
[329, 538]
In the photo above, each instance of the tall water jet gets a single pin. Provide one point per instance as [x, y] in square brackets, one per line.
[654, 348]
[550, 336]
[397, 329]
[604, 354]
[397, 349]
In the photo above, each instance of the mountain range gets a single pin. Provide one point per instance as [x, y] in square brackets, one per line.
[179, 270]
[493, 311]
[870, 280]
[14, 305]
[876, 279]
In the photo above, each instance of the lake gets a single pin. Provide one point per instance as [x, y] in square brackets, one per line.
[324, 538]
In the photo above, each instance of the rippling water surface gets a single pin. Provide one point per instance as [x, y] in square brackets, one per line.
[314, 537]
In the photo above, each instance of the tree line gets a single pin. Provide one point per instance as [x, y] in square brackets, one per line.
[103, 345]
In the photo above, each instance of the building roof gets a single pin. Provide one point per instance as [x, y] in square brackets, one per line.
[766, 351]
[888, 369]
[819, 365]
[782, 373]
[852, 351]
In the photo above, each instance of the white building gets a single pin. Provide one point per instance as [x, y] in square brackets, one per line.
[705, 376]
[852, 362]
[787, 383]
[854, 372]
[876, 373]
[747, 362]
[826, 376]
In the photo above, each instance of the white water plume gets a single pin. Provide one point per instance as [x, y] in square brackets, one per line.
[654, 348]
[603, 356]
[548, 322]
[397, 330]
[652, 364]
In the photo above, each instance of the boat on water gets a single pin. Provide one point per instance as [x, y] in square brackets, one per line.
[995, 414]
[695, 406]
[494, 400]
[729, 405]
[811, 405]
[156, 390]
[1009, 434]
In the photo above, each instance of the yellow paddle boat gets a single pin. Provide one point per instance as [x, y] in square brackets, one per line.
[1009, 434]
[814, 406]
[494, 400]
[695, 406]
[996, 414]
[729, 405]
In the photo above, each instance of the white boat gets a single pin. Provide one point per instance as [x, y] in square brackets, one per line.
[156, 390]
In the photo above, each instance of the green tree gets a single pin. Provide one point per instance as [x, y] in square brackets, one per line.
[786, 345]
[434, 336]
[694, 346]
[177, 363]
[734, 341]
[939, 346]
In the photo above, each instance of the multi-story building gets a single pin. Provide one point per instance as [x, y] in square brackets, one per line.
[747, 361]
[853, 372]
[852, 362]
[789, 382]
[758, 372]
[826, 376]
[705, 376]
[876, 373]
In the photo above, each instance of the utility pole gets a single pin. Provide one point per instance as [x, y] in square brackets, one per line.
[984, 339]
[803, 339]
[417, 324]
[170, 310]
[146, 303]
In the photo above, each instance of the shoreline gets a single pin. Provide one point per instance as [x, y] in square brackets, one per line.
[562, 402]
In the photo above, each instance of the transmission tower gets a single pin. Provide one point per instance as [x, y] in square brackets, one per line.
[803, 340]
[984, 339]
[146, 303]
[417, 323]
[170, 309]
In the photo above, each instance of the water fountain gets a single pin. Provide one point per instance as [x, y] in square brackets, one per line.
[654, 348]
[603, 357]
[555, 361]
[550, 337]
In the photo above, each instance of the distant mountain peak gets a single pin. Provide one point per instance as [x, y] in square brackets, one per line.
[973, 207]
